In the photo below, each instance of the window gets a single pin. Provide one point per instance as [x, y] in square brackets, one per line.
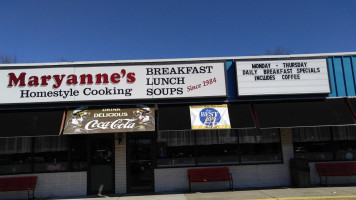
[218, 147]
[260, 146]
[42, 154]
[313, 143]
[345, 142]
[175, 148]
[51, 154]
[325, 143]
[15, 155]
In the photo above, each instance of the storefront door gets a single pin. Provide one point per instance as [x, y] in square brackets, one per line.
[139, 164]
[101, 164]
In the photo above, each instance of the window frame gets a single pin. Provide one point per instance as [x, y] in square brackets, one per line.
[68, 157]
[332, 142]
[238, 150]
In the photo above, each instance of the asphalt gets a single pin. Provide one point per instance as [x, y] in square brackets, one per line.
[314, 193]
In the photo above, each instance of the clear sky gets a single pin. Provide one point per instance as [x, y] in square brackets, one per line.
[89, 30]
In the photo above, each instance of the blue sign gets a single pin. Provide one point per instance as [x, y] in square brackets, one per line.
[210, 116]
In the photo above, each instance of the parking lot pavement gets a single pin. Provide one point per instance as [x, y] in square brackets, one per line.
[313, 193]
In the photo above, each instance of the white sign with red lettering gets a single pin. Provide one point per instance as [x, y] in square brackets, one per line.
[65, 84]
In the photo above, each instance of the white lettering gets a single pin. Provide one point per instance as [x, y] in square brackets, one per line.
[117, 124]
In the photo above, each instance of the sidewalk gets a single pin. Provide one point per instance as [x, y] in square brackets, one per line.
[315, 193]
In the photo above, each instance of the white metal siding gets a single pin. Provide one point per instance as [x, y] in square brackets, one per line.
[64, 184]
[120, 165]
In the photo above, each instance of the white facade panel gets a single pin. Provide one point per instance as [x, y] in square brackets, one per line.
[62, 184]
[155, 81]
[120, 165]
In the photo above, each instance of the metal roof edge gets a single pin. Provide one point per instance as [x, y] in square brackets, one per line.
[182, 59]
[297, 55]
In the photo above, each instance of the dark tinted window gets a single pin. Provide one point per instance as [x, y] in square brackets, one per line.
[51, 154]
[15, 155]
[43, 154]
[218, 147]
[325, 143]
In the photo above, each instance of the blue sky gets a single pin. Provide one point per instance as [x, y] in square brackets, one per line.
[88, 30]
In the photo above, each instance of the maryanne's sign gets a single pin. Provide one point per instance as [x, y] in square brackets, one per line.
[159, 81]
[275, 77]
[109, 120]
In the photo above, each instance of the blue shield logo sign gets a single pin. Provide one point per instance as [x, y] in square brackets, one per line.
[210, 116]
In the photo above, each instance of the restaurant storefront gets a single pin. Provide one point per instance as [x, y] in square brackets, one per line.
[123, 127]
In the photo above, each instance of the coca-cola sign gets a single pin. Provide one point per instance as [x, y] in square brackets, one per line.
[109, 120]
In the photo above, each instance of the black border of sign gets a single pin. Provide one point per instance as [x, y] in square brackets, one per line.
[279, 59]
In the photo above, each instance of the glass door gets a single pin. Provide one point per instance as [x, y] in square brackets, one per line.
[101, 164]
[139, 165]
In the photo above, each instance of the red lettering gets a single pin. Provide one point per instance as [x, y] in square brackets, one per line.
[44, 80]
[33, 81]
[13, 80]
[86, 79]
[193, 87]
[115, 78]
[131, 77]
[59, 80]
[72, 79]
[99, 78]
[123, 72]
